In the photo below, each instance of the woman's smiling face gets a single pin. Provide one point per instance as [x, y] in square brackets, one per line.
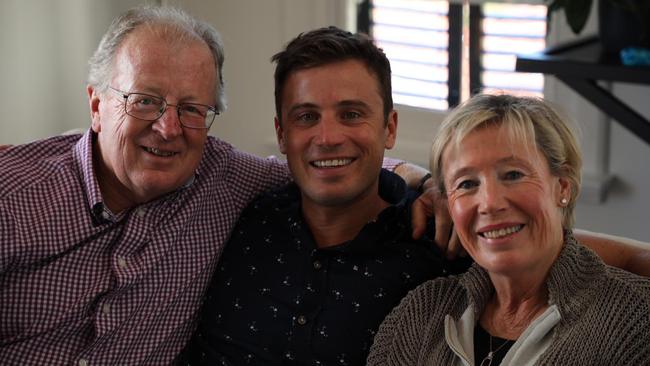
[505, 204]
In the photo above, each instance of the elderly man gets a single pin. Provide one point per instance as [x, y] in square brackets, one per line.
[107, 240]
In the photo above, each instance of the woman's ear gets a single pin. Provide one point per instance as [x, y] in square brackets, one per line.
[564, 191]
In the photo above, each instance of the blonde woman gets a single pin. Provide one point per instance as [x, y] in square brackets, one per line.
[510, 170]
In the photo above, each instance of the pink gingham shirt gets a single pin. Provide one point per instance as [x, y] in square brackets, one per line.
[81, 286]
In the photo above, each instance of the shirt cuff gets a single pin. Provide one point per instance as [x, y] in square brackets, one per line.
[391, 164]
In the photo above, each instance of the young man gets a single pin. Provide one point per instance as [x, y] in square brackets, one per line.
[312, 269]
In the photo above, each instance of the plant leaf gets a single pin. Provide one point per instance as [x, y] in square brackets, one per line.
[577, 13]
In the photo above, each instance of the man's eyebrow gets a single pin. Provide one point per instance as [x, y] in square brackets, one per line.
[157, 92]
[296, 107]
[353, 103]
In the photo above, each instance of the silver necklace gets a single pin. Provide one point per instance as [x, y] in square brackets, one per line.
[487, 361]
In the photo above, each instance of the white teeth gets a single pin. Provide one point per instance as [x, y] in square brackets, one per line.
[158, 152]
[332, 163]
[502, 232]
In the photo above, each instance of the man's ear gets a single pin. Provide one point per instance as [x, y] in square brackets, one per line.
[391, 129]
[279, 134]
[93, 103]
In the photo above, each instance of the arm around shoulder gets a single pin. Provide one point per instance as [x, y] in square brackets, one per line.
[624, 253]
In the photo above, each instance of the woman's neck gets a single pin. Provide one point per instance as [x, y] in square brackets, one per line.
[513, 306]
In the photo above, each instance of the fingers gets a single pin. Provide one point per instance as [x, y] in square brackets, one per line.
[421, 211]
[455, 249]
[430, 202]
[443, 232]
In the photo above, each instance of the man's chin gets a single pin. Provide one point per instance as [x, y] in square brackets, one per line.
[329, 198]
[159, 185]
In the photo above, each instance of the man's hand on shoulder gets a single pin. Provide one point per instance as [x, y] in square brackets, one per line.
[617, 251]
[432, 203]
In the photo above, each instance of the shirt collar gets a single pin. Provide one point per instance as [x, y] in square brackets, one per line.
[393, 223]
[83, 156]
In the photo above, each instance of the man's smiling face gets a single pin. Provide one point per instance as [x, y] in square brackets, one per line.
[333, 131]
[142, 160]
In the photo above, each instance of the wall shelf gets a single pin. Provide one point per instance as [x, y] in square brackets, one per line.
[580, 65]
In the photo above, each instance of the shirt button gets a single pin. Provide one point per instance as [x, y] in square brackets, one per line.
[121, 262]
[140, 212]
[318, 265]
[302, 320]
[106, 309]
[83, 362]
[106, 216]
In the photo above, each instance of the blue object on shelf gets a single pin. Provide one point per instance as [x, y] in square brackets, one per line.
[635, 56]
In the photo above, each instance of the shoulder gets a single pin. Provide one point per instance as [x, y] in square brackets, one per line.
[274, 202]
[617, 311]
[430, 302]
[24, 165]
[239, 167]
[36, 151]
[417, 322]
[218, 151]
[636, 287]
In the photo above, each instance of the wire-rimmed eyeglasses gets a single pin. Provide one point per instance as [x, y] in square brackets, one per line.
[149, 107]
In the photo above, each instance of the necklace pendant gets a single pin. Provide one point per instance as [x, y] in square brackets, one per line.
[487, 361]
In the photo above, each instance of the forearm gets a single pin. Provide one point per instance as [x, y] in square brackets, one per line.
[628, 254]
[411, 173]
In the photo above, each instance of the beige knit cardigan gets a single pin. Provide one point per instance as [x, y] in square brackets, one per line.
[605, 315]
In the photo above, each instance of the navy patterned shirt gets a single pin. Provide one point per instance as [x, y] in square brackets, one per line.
[278, 299]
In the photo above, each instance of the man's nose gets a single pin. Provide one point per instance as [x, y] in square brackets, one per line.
[169, 124]
[330, 132]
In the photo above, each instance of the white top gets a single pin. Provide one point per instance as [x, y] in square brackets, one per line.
[459, 336]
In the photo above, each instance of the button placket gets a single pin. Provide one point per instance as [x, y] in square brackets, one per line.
[301, 320]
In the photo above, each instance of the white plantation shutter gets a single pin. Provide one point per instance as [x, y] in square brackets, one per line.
[424, 41]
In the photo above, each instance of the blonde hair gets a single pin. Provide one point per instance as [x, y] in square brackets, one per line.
[525, 119]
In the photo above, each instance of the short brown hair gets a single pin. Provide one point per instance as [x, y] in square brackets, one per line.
[329, 45]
